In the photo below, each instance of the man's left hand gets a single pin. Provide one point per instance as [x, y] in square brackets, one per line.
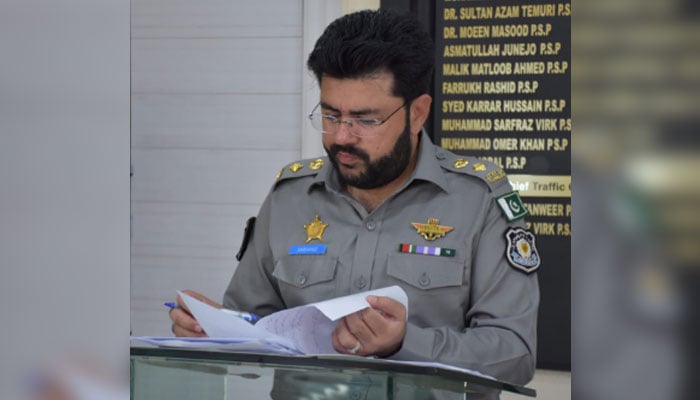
[378, 330]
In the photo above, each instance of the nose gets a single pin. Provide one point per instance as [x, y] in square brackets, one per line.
[343, 134]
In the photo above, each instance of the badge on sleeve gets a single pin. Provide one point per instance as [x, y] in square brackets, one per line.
[512, 206]
[247, 234]
[521, 251]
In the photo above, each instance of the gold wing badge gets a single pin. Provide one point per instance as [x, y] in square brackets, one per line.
[432, 230]
[314, 229]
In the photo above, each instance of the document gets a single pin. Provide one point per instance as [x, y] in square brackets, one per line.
[300, 330]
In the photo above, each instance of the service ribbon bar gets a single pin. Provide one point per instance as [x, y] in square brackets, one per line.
[426, 250]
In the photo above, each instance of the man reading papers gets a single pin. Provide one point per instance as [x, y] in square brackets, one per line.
[387, 207]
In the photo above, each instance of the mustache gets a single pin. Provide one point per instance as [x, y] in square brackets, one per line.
[336, 148]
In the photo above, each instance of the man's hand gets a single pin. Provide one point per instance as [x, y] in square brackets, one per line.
[183, 322]
[378, 330]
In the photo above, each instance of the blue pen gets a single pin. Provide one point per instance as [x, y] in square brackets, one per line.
[250, 317]
[171, 305]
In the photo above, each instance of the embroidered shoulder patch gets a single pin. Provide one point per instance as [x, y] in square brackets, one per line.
[512, 206]
[521, 251]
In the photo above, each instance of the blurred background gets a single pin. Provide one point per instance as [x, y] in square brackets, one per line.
[64, 199]
[636, 220]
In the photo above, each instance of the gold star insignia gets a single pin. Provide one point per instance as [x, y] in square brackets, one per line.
[314, 230]
[277, 177]
[295, 167]
[432, 230]
[461, 163]
[479, 167]
[316, 164]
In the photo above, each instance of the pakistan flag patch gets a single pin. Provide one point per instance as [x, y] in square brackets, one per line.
[512, 206]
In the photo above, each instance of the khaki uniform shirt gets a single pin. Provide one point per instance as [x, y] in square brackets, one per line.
[472, 309]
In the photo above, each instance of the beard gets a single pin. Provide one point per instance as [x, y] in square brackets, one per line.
[379, 172]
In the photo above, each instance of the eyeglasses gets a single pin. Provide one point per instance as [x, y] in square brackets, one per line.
[362, 127]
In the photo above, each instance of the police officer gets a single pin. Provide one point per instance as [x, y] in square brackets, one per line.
[387, 207]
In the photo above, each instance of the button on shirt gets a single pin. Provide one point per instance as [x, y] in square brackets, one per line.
[471, 310]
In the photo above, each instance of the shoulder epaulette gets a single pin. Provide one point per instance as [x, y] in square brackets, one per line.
[489, 172]
[298, 169]
[508, 200]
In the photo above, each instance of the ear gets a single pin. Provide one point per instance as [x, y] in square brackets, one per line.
[420, 108]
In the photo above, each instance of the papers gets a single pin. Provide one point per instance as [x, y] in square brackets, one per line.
[270, 347]
[304, 330]
[217, 323]
[232, 345]
[299, 330]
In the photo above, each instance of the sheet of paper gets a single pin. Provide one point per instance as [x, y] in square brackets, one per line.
[310, 327]
[342, 306]
[218, 323]
[233, 344]
[306, 328]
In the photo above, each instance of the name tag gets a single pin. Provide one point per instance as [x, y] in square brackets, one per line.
[312, 249]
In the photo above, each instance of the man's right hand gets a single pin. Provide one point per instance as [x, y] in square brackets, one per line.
[183, 322]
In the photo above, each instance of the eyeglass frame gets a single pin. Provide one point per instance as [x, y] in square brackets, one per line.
[350, 121]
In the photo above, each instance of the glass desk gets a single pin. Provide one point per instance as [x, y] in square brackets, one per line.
[175, 373]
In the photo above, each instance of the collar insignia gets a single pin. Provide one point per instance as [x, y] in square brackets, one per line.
[432, 230]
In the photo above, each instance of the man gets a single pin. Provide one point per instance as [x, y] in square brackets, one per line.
[387, 207]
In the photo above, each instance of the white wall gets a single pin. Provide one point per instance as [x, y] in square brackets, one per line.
[219, 97]
[64, 186]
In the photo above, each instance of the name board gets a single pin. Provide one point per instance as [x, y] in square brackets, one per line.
[503, 93]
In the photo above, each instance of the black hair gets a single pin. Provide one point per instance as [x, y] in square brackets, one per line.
[367, 42]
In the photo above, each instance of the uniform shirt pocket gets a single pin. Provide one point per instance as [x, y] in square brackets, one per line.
[438, 292]
[426, 272]
[305, 279]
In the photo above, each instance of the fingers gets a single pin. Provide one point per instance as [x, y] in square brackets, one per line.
[381, 328]
[343, 340]
[352, 336]
[184, 324]
[377, 331]
[369, 327]
[362, 324]
[388, 306]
